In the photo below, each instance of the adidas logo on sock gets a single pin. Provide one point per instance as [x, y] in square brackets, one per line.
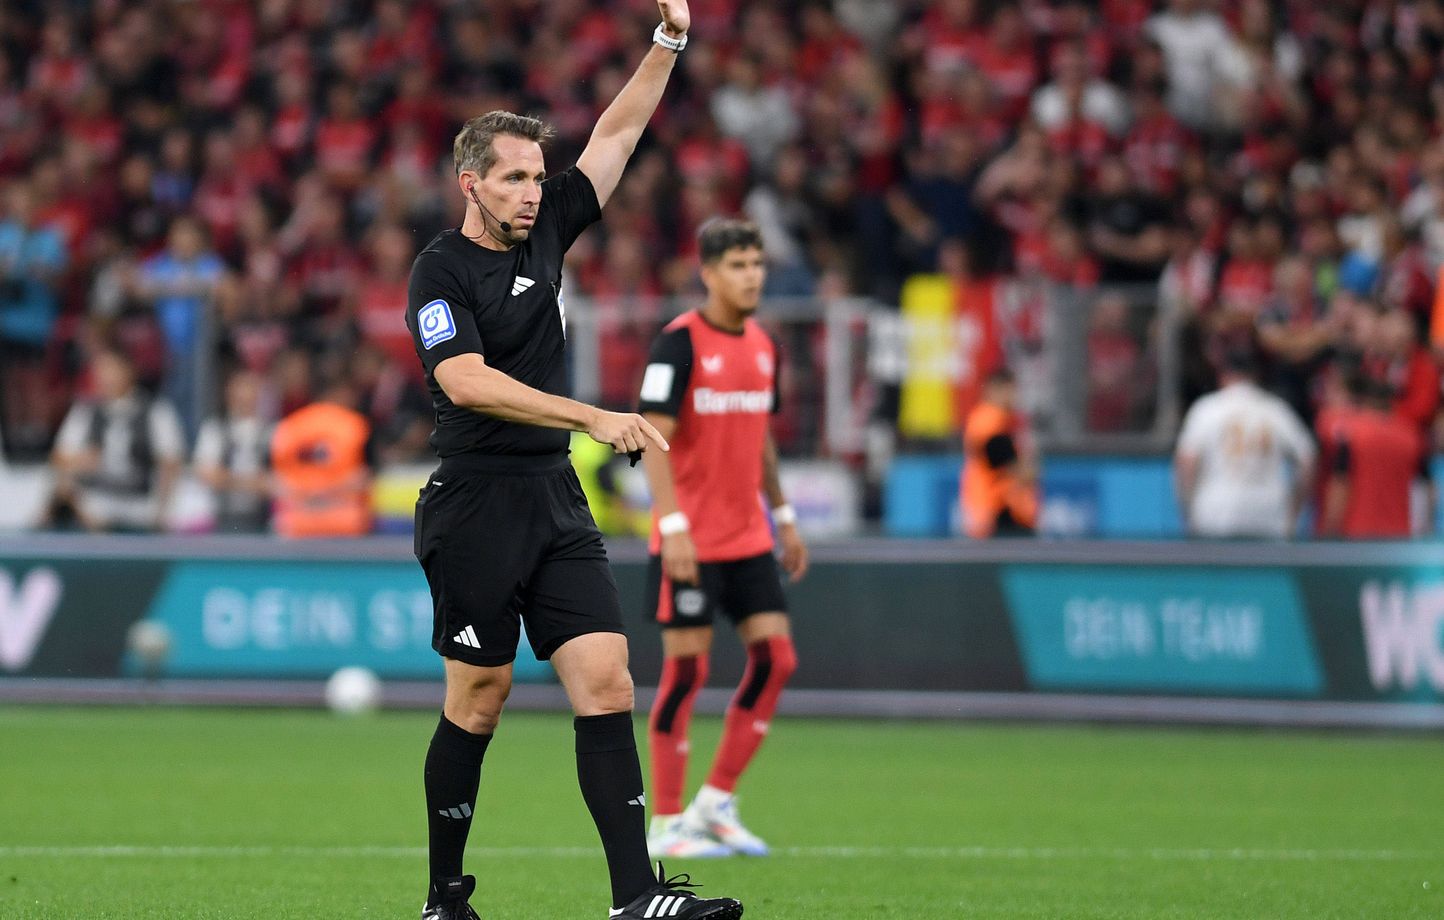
[640, 800]
[466, 637]
[521, 284]
[461, 811]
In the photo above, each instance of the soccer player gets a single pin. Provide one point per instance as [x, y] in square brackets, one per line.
[502, 527]
[710, 388]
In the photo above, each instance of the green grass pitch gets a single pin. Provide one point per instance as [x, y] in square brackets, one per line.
[134, 814]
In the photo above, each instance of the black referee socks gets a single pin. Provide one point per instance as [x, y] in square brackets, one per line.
[611, 779]
[453, 772]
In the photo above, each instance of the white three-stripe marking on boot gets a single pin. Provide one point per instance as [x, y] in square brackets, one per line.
[677, 908]
[652, 908]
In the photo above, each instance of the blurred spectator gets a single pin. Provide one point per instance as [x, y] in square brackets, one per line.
[31, 259]
[1377, 456]
[781, 210]
[1127, 226]
[322, 460]
[999, 495]
[759, 115]
[1114, 367]
[180, 282]
[1244, 462]
[118, 455]
[1408, 369]
[396, 406]
[232, 457]
[1203, 59]
[1076, 92]
[381, 296]
[1296, 336]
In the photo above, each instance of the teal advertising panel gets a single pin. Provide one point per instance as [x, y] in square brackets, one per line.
[1380, 629]
[1162, 629]
[283, 619]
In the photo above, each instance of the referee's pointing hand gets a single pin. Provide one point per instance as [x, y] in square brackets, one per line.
[625, 432]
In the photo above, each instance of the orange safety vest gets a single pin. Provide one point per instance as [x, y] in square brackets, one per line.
[319, 457]
[987, 492]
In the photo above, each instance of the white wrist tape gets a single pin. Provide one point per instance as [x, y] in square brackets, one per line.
[674, 45]
[674, 523]
[784, 514]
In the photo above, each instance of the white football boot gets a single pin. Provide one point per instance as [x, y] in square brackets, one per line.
[715, 813]
[671, 837]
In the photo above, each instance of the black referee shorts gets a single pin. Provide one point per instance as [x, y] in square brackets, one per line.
[507, 540]
[735, 589]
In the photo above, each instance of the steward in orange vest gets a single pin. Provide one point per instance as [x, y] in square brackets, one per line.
[320, 456]
[999, 494]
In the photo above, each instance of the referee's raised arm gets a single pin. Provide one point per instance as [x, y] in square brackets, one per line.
[621, 125]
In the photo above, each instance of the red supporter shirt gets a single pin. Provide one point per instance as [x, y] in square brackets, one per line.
[722, 402]
[1381, 455]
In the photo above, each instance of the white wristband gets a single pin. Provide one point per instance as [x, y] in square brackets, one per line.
[674, 523]
[784, 514]
[674, 45]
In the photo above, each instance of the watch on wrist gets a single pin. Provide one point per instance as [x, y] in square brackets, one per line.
[674, 45]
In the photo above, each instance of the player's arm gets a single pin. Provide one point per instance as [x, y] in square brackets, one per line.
[1187, 461]
[679, 553]
[1185, 480]
[470, 383]
[794, 550]
[1305, 457]
[1336, 495]
[621, 125]
[661, 401]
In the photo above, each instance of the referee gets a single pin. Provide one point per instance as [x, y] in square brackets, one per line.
[502, 528]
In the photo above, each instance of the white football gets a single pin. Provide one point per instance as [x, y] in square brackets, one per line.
[353, 690]
[149, 641]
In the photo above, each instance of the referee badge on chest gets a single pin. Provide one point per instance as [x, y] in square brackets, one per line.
[436, 325]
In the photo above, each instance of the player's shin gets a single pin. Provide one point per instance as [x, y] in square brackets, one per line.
[683, 676]
[770, 664]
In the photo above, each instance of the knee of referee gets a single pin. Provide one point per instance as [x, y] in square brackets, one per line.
[475, 705]
[603, 690]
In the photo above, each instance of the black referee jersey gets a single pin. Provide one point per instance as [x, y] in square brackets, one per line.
[506, 306]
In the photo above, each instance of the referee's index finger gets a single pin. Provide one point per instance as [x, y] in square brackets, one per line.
[656, 436]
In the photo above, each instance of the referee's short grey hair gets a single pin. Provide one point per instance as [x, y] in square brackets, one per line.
[721, 234]
[473, 149]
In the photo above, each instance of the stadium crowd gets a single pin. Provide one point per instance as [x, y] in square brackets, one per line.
[260, 175]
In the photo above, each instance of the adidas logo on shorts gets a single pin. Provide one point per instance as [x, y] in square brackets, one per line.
[466, 637]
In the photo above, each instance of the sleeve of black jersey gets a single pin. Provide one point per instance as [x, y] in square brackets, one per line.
[569, 199]
[669, 370]
[437, 313]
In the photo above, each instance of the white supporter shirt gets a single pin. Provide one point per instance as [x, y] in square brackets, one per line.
[1249, 444]
[167, 443]
[240, 446]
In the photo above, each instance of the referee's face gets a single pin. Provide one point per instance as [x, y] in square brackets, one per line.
[736, 279]
[512, 189]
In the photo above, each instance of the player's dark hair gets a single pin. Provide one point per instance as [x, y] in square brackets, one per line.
[718, 236]
[473, 148]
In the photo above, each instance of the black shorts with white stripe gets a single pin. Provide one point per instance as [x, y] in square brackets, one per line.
[507, 541]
